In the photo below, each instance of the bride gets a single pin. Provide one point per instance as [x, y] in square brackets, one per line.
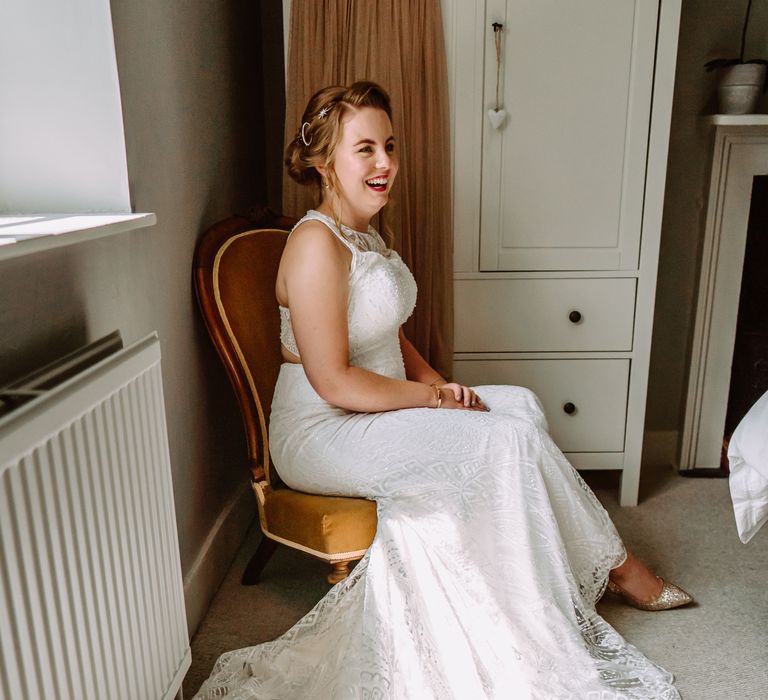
[490, 552]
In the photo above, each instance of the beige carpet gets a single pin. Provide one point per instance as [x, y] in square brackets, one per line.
[683, 528]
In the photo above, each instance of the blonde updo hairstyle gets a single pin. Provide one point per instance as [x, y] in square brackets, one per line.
[320, 130]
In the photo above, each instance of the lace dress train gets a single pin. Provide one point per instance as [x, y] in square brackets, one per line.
[490, 551]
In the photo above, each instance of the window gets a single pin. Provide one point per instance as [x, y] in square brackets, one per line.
[62, 148]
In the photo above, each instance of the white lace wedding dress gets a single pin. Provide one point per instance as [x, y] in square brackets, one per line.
[490, 551]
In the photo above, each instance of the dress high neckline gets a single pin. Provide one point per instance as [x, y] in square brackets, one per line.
[343, 225]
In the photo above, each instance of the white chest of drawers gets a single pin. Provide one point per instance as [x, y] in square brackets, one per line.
[544, 315]
[557, 214]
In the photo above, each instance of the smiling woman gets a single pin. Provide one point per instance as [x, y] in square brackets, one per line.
[490, 551]
[352, 127]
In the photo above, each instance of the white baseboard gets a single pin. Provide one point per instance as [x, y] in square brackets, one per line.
[660, 448]
[212, 563]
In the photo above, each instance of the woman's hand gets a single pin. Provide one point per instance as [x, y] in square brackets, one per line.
[460, 396]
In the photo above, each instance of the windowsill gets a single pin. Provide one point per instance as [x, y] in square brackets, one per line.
[22, 235]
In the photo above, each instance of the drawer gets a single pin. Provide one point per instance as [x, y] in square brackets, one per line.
[544, 315]
[597, 390]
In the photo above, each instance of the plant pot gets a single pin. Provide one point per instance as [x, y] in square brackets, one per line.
[740, 87]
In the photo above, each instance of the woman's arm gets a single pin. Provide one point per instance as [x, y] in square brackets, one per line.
[314, 281]
[416, 367]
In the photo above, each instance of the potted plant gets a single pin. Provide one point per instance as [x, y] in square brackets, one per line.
[740, 81]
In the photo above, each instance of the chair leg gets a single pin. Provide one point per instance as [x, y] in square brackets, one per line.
[252, 573]
[339, 571]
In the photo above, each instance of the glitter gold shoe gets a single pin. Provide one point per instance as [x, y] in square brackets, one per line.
[671, 596]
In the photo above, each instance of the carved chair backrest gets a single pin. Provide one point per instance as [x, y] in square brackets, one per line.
[235, 270]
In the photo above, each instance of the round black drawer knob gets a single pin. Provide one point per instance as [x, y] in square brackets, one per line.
[569, 408]
[575, 316]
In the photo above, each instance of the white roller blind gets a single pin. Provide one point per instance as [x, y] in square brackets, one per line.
[62, 147]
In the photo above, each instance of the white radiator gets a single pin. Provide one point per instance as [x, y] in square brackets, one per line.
[91, 598]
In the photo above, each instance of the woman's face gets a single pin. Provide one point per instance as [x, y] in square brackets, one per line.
[365, 164]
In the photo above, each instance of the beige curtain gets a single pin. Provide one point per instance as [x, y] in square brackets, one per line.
[398, 44]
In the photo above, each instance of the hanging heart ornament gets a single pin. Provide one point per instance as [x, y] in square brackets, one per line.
[497, 117]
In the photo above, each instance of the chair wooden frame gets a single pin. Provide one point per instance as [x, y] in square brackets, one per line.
[253, 386]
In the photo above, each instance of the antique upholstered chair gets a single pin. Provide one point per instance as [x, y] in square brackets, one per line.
[235, 268]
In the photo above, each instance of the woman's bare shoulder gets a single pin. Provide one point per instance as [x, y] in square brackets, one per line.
[314, 263]
[311, 232]
[313, 237]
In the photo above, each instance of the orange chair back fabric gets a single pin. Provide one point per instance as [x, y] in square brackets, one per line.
[235, 273]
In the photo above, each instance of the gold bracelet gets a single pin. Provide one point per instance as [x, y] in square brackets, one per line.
[439, 395]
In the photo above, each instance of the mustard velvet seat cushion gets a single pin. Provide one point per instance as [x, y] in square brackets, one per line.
[330, 525]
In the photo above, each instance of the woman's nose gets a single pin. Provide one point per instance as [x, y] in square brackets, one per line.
[383, 160]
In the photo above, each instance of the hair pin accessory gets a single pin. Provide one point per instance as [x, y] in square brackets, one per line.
[303, 137]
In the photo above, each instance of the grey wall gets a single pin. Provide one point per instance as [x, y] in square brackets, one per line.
[708, 29]
[193, 78]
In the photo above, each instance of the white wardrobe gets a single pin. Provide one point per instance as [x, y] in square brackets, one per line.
[557, 212]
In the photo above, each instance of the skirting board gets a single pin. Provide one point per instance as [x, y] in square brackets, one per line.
[217, 553]
[660, 448]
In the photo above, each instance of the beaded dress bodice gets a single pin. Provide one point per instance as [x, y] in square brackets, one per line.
[382, 295]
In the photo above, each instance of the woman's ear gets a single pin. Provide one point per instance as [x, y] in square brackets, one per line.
[323, 170]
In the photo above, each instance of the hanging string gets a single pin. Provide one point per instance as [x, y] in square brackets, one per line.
[497, 36]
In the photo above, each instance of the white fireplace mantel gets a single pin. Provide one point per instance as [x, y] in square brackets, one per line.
[737, 119]
[740, 153]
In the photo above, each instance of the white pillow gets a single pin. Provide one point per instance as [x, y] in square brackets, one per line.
[748, 459]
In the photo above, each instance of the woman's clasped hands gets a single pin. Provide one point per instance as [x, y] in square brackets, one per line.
[456, 395]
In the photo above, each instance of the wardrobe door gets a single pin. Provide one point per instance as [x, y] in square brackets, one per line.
[562, 178]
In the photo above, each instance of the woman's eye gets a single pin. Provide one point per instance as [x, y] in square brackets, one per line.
[389, 148]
